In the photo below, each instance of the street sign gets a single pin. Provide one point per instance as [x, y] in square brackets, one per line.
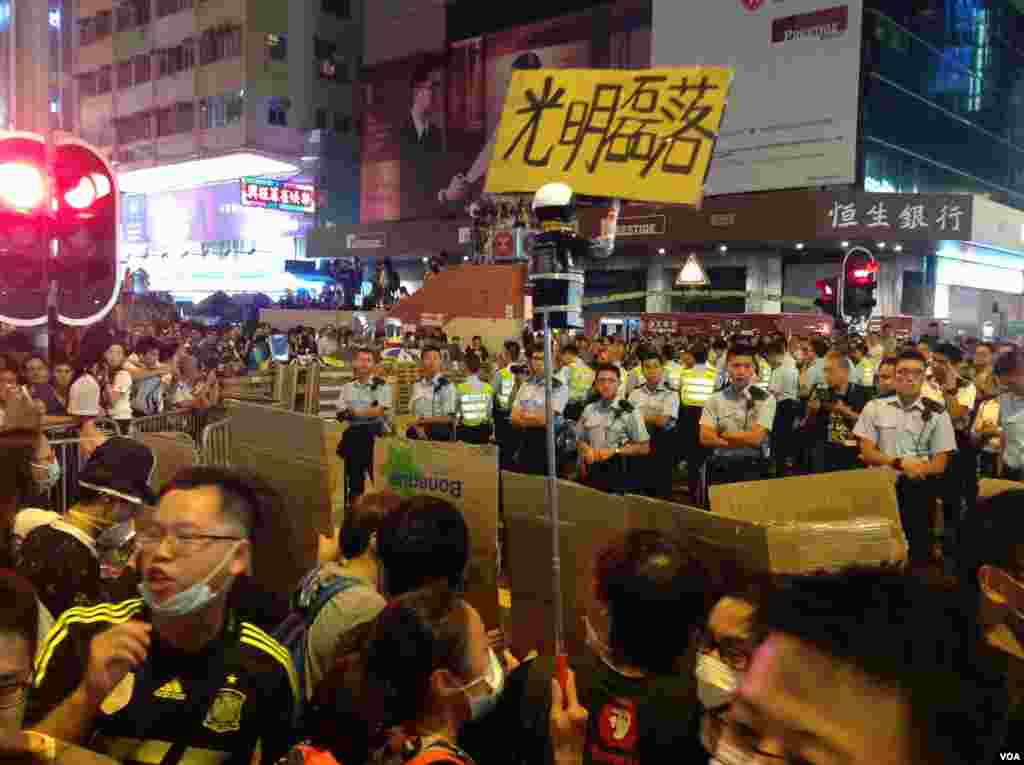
[692, 273]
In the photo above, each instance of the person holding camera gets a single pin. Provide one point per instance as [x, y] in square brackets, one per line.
[365, 404]
[832, 412]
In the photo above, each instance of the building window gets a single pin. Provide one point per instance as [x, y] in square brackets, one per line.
[321, 119]
[277, 114]
[342, 123]
[223, 110]
[340, 8]
[221, 43]
[167, 7]
[143, 63]
[175, 119]
[134, 127]
[104, 24]
[124, 74]
[277, 47]
[103, 80]
[171, 61]
[132, 13]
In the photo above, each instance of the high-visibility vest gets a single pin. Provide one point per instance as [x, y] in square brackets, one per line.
[673, 374]
[697, 386]
[764, 371]
[506, 389]
[870, 366]
[474, 403]
[580, 381]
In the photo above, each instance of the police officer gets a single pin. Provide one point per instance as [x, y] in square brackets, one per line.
[365, 404]
[507, 380]
[1010, 370]
[737, 421]
[914, 436]
[604, 356]
[863, 365]
[433, 401]
[529, 419]
[610, 431]
[658, 404]
[671, 368]
[579, 378]
[474, 405]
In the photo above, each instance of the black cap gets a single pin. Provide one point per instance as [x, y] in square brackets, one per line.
[121, 468]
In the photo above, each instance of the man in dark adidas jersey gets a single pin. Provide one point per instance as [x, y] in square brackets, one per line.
[175, 677]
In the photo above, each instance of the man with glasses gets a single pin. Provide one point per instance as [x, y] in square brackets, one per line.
[865, 667]
[914, 436]
[176, 675]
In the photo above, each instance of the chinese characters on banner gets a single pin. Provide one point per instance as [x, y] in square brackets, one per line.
[659, 325]
[635, 134]
[898, 216]
[278, 195]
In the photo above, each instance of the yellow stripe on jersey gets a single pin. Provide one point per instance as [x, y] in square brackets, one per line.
[153, 751]
[257, 638]
[113, 613]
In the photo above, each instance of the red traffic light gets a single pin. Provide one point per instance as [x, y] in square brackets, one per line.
[825, 288]
[22, 186]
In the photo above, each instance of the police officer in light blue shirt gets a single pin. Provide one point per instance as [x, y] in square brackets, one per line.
[365, 404]
[1010, 371]
[433, 401]
[914, 436]
[610, 431]
[736, 422]
[529, 415]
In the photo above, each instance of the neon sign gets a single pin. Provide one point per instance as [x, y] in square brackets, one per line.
[278, 195]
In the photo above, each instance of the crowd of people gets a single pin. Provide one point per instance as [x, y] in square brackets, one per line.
[177, 656]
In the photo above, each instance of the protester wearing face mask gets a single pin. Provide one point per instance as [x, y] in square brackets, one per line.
[177, 667]
[45, 474]
[81, 559]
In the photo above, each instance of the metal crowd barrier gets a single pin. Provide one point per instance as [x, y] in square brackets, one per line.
[215, 445]
[190, 421]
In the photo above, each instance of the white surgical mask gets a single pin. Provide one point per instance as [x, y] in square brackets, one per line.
[189, 601]
[716, 682]
[480, 706]
[52, 475]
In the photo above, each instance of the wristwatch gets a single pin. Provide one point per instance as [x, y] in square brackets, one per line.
[897, 464]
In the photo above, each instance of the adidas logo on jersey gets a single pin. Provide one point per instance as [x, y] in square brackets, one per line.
[171, 690]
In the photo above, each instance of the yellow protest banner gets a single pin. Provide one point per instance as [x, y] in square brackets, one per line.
[645, 134]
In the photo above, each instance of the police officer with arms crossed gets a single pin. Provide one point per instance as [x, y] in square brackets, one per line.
[475, 405]
[737, 421]
[579, 378]
[529, 419]
[610, 431]
[433, 401]
[365, 404]
[914, 436]
[658, 404]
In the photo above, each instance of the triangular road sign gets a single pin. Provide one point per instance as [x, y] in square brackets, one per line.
[692, 273]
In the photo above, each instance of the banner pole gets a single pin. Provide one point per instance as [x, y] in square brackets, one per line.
[561, 658]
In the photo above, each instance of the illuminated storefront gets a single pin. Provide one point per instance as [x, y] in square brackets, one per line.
[233, 235]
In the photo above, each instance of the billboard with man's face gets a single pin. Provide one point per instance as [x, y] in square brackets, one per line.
[430, 120]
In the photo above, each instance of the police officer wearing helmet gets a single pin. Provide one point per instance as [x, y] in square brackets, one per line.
[658, 404]
[610, 431]
[365, 404]
[914, 436]
[736, 422]
[474, 405]
[433, 401]
[529, 418]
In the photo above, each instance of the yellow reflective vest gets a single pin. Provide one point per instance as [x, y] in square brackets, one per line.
[474, 402]
[697, 385]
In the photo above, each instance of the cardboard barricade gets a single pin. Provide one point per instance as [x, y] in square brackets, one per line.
[786, 526]
[466, 476]
[294, 453]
